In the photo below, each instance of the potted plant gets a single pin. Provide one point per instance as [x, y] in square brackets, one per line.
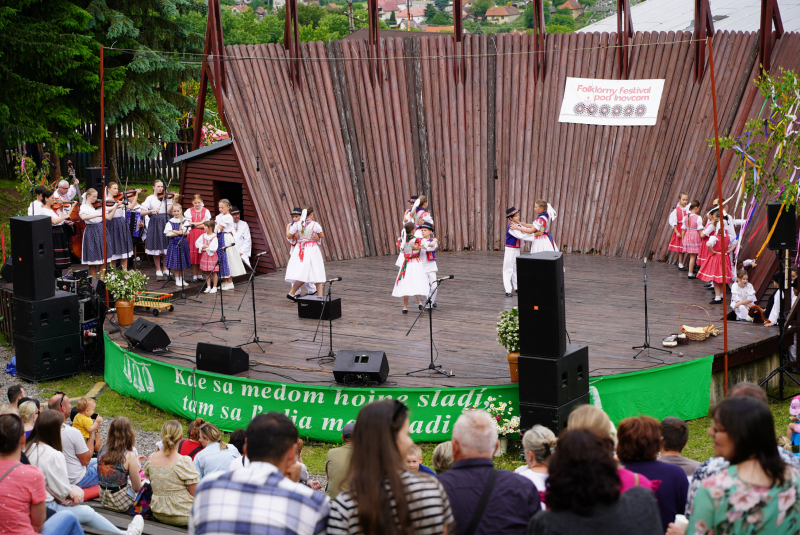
[125, 285]
[508, 336]
[506, 424]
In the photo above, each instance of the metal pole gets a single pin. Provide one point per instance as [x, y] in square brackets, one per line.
[719, 204]
[102, 166]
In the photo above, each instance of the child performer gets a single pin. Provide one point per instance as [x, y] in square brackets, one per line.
[198, 215]
[156, 243]
[545, 215]
[677, 220]
[691, 236]
[410, 215]
[230, 265]
[92, 246]
[705, 250]
[178, 249]
[719, 249]
[306, 264]
[207, 244]
[311, 288]
[422, 215]
[411, 280]
[776, 300]
[514, 238]
[743, 298]
[118, 237]
[427, 256]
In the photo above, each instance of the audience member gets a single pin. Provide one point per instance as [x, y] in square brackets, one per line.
[44, 452]
[590, 417]
[583, 491]
[238, 440]
[304, 478]
[192, 446]
[512, 499]
[15, 393]
[414, 461]
[116, 463]
[674, 436]
[639, 442]
[259, 498]
[442, 457]
[714, 465]
[381, 496]
[338, 460]
[29, 413]
[23, 489]
[83, 421]
[81, 468]
[538, 444]
[216, 455]
[173, 478]
[757, 492]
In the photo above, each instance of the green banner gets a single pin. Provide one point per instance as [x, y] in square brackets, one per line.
[320, 412]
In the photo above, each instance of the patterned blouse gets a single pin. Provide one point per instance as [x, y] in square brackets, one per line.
[170, 495]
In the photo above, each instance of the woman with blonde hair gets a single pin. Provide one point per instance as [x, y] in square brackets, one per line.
[230, 263]
[116, 463]
[538, 443]
[29, 413]
[442, 457]
[216, 455]
[173, 478]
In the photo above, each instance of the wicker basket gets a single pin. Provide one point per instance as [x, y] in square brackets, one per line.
[697, 337]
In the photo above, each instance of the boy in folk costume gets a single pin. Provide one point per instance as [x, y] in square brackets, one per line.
[306, 264]
[427, 257]
[514, 237]
[677, 220]
[311, 288]
[411, 280]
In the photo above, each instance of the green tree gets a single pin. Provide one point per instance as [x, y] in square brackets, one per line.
[546, 9]
[440, 19]
[559, 29]
[587, 2]
[480, 7]
[392, 20]
[529, 16]
[430, 12]
[441, 4]
[561, 20]
[306, 14]
[563, 11]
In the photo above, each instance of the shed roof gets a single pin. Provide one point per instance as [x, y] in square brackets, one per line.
[203, 150]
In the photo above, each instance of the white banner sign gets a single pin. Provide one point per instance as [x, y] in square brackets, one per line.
[611, 102]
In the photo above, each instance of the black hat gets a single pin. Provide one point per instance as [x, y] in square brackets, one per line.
[427, 226]
[297, 211]
[511, 212]
[234, 209]
[413, 199]
[777, 277]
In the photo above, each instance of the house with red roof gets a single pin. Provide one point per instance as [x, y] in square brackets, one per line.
[574, 6]
[502, 14]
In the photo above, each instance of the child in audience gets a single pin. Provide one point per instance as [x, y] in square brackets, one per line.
[794, 426]
[414, 461]
[83, 419]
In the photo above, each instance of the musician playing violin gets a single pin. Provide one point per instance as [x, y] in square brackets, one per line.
[58, 216]
[118, 236]
[92, 213]
[157, 207]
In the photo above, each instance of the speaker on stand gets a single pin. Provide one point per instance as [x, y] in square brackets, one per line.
[94, 178]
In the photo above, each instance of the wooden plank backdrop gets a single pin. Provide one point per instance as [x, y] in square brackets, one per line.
[356, 146]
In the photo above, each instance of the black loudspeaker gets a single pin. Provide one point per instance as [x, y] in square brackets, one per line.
[94, 177]
[46, 318]
[314, 306]
[554, 381]
[552, 417]
[360, 366]
[32, 250]
[147, 335]
[785, 234]
[221, 359]
[49, 358]
[7, 271]
[542, 318]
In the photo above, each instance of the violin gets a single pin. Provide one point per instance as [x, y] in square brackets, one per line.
[60, 205]
[97, 204]
[131, 193]
[170, 195]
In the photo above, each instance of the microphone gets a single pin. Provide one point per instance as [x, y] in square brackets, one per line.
[334, 280]
[260, 254]
[223, 248]
[446, 278]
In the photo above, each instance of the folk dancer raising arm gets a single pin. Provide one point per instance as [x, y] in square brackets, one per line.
[311, 288]
[306, 264]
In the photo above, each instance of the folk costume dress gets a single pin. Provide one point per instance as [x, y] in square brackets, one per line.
[411, 280]
[311, 288]
[92, 246]
[208, 258]
[306, 263]
[677, 219]
[231, 263]
[178, 248]
[196, 216]
[691, 238]
[513, 244]
[60, 243]
[742, 294]
[118, 237]
[427, 256]
[710, 272]
[545, 241]
[156, 243]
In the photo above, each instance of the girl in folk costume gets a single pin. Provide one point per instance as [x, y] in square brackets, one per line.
[427, 256]
[705, 250]
[207, 244]
[411, 280]
[118, 236]
[178, 249]
[410, 215]
[230, 264]
[57, 218]
[691, 236]
[677, 220]
[718, 253]
[538, 232]
[156, 243]
[743, 299]
[92, 246]
[306, 264]
[198, 215]
[311, 288]
[421, 215]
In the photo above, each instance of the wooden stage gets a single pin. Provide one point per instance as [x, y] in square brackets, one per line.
[605, 310]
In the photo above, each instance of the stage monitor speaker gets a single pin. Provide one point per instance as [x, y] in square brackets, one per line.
[554, 381]
[360, 367]
[315, 306]
[147, 335]
[48, 358]
[542, 318]
[222, 359]
[94, 177]
[551, 416]
[32, 250]
[46, 318]
[7, 271]
[785, 234]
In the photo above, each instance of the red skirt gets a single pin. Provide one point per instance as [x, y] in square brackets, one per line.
[710, 272]
[702, 256]
[194, 256]
[676, 243]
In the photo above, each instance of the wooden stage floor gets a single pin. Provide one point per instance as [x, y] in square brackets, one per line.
[604, 300]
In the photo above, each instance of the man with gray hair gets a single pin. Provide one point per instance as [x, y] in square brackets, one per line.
[485, 500]
[67, 193]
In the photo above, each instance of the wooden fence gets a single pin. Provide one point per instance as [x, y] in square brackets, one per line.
[356, 148]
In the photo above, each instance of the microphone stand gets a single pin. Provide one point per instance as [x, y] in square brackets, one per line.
[251, 286]
[327, 305]
[646, 346]
[222, 318]
[428, 306]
